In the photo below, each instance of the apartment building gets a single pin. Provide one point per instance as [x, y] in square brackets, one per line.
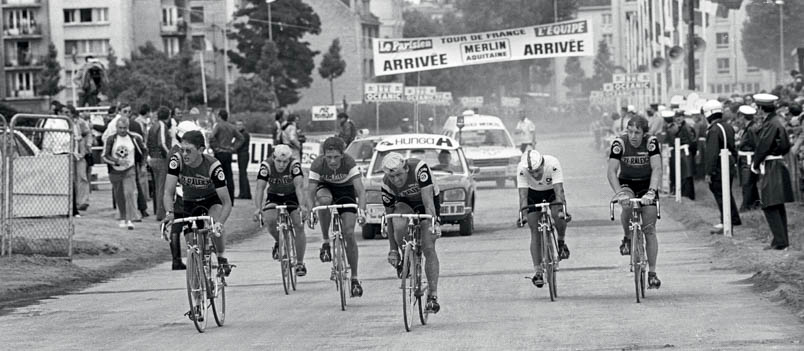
[435, 9]
[25, 37]
[390, 14]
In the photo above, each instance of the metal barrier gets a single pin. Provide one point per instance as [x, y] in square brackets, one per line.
[40, 187]
[3, 182]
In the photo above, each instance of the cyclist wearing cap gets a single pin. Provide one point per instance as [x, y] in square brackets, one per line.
[635, 170]
[539, 178]
[178, 203]
[203, 185]
[279, 179]
[335, 179]
[408, 187]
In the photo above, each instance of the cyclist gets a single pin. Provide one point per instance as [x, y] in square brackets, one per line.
[178, 202]
[203, 185]
[335, 179]
[539, 178]
[279, 179]
[408, 187]
[635, 170]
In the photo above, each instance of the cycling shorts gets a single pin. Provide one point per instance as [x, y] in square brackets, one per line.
[418, 206]
[639, 187]
[290, 200]
[196, 208]
[537, 197]
[341, 195]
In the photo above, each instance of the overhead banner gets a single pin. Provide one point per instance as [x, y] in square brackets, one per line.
[562, 39]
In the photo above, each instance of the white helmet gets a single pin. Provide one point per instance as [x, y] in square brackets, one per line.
[393, 161]
[185, 127]
[711, 107]
[534, 159]
[282, 152]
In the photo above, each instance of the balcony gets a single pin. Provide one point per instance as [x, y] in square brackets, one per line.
[21, 62]
[24, 31]
[174, 30]
[20, 3]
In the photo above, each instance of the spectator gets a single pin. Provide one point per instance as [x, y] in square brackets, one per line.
[121, 152]
[747, 146]
[279, 122]
[719, 136]
[243, 159]
[224, 141]
[141, 173]
[83, 147]
[290, 135]
[346, 128]
[655, 122]
[525, 132]
[683, 131]
[158, 149]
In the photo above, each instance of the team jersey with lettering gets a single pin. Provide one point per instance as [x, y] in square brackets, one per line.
[419, 176]
[200, 182]
[279, 182]
[343, 176]
[634, 161]
[552, 175]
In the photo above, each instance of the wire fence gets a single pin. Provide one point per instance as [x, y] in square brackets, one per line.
[3, 181]
[40, 181]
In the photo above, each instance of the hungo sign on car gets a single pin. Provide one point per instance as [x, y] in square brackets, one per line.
[418, 142]
[563, 39]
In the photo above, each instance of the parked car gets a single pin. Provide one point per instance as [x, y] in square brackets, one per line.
[488, 145]
[362, 150]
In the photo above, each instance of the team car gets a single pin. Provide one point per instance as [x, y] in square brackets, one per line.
[453, 176]
[488, 146]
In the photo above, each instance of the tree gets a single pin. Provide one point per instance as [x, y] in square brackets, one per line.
[575, 74]
[603, 67]
[761, 33]
[47, 82]
[249, 95]
[290, 20]
[332, 66]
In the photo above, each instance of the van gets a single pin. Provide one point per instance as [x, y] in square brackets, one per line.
[488, 146]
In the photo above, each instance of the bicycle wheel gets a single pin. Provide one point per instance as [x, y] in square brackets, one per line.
[290, 241]
[340, 270]
[216, 291]
[408, 287]
[284, 261]
[196, 291]
[636, 264]
[548, 263]
[420, 290]
[552, 252]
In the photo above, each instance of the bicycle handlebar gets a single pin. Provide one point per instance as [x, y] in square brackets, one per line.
[314, 212]
[540, 206]
[636, 202]
[204, 231]
[408, 217]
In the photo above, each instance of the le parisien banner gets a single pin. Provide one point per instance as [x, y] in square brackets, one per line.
[562, 39]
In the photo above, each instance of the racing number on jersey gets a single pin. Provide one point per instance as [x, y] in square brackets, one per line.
[174, 167]
[218, 177]
[296, 170]
[654, 147]
[617, 148]
[423, 176]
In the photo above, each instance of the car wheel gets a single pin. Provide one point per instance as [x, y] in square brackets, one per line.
[467, 225]
[501, 183]
[370, 231]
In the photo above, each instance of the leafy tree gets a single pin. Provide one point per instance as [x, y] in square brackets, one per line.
[47, 82]
[332, 66]
[290, 20]
[603, 67]
[761, 33]
[119, 76]
[249, 95]
[575, 74]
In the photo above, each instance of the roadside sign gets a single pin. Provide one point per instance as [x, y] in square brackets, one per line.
[324, 113]
[472, 101]
[510, 101]
[420, 94]
[443, 98]
[459, 122]
[630, 85]
[630, 77]
[381, 92]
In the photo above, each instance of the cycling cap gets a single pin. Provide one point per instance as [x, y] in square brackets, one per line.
[282, 152]
[534, 159]
[185, 127]
[393, 162]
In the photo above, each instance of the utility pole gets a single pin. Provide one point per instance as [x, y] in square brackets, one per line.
[780, 3]
[691, 46]
[226, 68]
[270, 21]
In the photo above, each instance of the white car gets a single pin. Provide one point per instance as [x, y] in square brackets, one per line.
[487, 145]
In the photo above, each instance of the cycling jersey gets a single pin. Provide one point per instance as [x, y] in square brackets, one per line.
[552, 175]
[634, 161]
[418, 177]
[198, 183]
[279, 182]
[321, 174]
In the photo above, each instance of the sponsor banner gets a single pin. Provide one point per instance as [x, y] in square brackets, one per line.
[510, 101]
[472, 101]
[383, 92]
[310, 152]
[630, 77]
[630, 86]
[324, 113]
[562, 39]
[261, 144]
[420, 94]
[443, 98]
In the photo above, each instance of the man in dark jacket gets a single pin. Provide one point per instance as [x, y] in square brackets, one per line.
[243, 159]
[719, 136]
[226, 140]
[346, 128]
[774, 177]
[680, 129]
[158, 144]
[748, 144]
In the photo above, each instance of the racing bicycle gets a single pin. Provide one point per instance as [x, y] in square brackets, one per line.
[639, 258]
[412, 286]
[287, 245]
[206, 279]
[550, 255]
[340, 266]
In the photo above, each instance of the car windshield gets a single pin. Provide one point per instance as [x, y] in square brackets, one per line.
[361, 150]
[488, 137]
[446, 161]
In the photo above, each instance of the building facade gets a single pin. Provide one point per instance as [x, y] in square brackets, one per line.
[435, 9]
[353, 24]
[390, 14]
[25, 37]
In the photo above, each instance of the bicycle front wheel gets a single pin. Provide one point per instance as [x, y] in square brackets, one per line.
[196, 291]
[217, 292]
[420, 290]
[290, 241]
[552, 269]
[408, 286]
[637, 264]
[340, 270]
[284, 261]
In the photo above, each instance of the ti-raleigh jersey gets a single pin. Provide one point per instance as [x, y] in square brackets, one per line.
[634, 161]
[552, 175]
[419, 176]
[279, 182]
[200, 182]
[321, 173]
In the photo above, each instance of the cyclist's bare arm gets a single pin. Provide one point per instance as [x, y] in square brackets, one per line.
[558, 188]
[360, 191]
[614, 169]
[523, 197]
[656, 171]
[428, 200]
[259, 198]
[312, 186]
[298, 183]
[170, 191]
[223, 194]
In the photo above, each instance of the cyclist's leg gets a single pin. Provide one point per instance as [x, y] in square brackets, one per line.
[215, 212]
[625, 216]
[649, 229]
[270, 217]
[301, 238]
[431, 263]
[323, 197]
[535, 240]
[348, 219]
[400, 224]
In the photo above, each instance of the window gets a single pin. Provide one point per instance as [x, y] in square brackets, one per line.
[168, 16]
[197, 14]
[69, 16]
[722, 40]
[199, 42]
[172, 46]
[86, 15]
[20, 22]
[723, 66]
[95, 47]
[752, 69]
[609, 38]
[20, 84]
[606, 19]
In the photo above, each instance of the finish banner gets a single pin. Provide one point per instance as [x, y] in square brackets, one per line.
[562, 39]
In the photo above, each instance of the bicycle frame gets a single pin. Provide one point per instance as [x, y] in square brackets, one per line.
[340, 264]
[638, 251]
[549, 245]
[286, 237]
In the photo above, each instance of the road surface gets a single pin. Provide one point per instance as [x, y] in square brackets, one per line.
[486, 301]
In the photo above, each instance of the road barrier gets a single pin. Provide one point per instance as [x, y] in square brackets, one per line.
[40, 187]
[3, 182]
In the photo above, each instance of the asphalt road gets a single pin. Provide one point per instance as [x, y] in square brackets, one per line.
[486, 301]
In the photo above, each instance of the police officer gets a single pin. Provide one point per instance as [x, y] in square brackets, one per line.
[719, 136]
[748, 144]
[774, 177]
[680, 129]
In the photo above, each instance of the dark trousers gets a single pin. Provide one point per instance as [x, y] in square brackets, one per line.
[142, 203]
[242, 166]
[716, 186]
[749, 185]
[159, 166]
[687, 184]
[777, 221]
[226, 163]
